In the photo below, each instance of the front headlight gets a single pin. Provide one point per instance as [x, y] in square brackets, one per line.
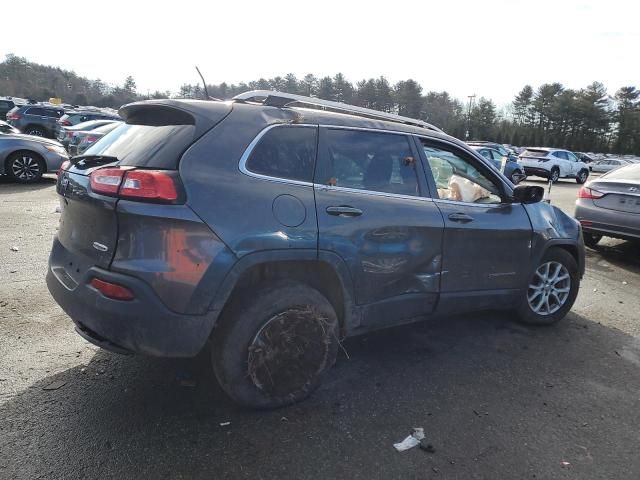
[56, 149]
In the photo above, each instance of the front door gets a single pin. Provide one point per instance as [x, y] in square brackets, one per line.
[371, 211]
[487, 239]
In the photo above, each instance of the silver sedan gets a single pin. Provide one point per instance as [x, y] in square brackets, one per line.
[25, 158]
[607, 164]
[610, 205]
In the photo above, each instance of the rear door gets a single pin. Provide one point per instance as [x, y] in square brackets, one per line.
[374, 211]
[486, 239]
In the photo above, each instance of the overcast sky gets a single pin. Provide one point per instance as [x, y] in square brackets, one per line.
[490, 47]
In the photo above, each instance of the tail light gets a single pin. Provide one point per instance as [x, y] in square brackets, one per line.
[63, 167]
[13, 116]
[64, 123]
[90, 138]
[586, 192]
[69, 134]
[112, 290]
[154, 185]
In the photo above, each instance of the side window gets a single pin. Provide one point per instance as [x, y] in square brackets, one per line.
[572, 157]
[285, 152]
[363, 160]
[561, 155]
[458, 179]
[35, 111]
[486, 154]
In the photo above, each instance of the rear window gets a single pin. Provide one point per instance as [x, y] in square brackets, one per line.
[534, 153]
[145, 145]
[285, 152]
[627, 173]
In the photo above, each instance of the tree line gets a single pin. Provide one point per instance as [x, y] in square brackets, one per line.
[587, 119]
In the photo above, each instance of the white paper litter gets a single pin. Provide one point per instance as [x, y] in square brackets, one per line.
[411, 441]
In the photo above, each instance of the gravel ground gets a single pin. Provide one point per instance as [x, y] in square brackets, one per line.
[496, 399]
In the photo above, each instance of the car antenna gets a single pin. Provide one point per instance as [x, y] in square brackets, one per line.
[206, 92]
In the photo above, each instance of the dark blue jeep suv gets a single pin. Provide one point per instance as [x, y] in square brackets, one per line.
[272, 226]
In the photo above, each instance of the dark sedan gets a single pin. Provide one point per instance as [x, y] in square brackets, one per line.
[610, 206]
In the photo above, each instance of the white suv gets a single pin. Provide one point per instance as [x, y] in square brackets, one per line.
[553, 164]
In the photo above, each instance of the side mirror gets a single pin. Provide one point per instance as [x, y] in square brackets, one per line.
[528, 194]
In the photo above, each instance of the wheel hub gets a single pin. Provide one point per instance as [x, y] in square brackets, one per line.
[25, 168]
[549, 288]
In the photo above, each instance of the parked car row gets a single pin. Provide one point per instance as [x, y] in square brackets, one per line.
[77, 138]
[46, 119]
[25, 151]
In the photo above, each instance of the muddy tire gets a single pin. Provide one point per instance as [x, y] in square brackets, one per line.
[273, 348]
[552, 289]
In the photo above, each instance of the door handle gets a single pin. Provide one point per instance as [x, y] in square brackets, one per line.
[344, 211]
[460, 217]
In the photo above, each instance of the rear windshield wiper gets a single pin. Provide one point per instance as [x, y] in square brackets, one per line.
[92, 160]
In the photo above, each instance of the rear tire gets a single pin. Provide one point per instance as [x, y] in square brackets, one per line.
[591, 239]
[582, 176]
[555, 175]
[274, 349]
[25, 167]
[33, 130]
[552, 289]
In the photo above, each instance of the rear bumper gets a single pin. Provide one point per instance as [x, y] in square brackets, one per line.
[536, 171]
[610, 223]
[143, 325]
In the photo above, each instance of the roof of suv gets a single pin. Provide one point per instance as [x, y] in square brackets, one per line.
[211, 110]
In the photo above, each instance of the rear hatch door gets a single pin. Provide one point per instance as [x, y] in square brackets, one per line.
[154, 137]
[88, 226]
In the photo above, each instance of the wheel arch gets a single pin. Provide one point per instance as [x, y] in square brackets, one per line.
[326, 272]
[572, 248]
[11, 154]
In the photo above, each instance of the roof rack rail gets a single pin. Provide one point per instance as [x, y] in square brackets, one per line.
[280, 99]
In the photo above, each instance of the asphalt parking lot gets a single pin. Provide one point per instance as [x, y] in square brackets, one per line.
[496, 400]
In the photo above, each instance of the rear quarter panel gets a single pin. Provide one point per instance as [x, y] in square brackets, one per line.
[237, 207]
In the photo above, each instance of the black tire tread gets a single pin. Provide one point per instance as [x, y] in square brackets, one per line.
[239, 323]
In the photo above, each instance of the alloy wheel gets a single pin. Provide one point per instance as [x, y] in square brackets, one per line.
[25, 168]
[549, 288]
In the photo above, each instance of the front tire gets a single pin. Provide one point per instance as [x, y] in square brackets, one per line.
[275, 349]
[582, 177]
[555, 175]
[25, 167]
[552, 289]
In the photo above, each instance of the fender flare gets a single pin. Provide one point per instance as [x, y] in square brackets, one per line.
[578, 245]
[246, 262]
